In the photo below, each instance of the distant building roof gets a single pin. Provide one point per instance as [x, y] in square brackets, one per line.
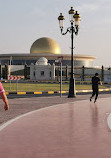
[45, 45]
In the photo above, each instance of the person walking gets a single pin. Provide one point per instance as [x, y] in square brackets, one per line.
[95, 82]
[4, 97]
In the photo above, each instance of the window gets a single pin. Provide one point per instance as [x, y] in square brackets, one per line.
[42, 73]
[50, 73]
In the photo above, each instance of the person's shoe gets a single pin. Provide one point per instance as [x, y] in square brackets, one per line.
[90, 99]
[94, 101]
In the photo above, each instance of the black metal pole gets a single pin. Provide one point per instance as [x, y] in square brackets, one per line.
[72, 81]
[61, 80]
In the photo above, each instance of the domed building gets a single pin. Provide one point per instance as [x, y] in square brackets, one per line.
[45, 49]
[42, 70]
[48, 48]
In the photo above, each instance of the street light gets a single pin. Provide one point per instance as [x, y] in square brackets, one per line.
[74, 18]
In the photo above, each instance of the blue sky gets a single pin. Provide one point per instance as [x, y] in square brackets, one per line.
[24, 21]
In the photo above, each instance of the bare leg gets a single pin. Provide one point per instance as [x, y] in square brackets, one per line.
[5, 100]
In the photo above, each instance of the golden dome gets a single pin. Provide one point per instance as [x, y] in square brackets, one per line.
[45, 45]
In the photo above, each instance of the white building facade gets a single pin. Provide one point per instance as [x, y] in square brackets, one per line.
[42, 70]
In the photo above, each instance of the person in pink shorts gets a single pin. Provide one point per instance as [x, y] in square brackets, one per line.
[4, 97]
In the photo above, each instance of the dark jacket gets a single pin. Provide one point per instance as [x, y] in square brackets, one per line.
[95, 81]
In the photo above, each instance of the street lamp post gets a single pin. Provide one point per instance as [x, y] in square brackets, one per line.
[74, 19]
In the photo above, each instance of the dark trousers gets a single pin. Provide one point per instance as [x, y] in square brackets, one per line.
[95, 92]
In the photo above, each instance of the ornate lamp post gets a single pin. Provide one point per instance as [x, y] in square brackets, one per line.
[74, 19]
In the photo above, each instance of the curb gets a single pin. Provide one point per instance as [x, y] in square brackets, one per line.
[57, 92]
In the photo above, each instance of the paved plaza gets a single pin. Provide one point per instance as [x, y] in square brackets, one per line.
[54, 127]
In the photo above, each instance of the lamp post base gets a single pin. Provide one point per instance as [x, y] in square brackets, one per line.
[72, 88]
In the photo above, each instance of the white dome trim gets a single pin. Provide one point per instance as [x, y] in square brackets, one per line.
[42, 61]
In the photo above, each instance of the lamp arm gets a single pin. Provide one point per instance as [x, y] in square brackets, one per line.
[76, 30]
[68, 30]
